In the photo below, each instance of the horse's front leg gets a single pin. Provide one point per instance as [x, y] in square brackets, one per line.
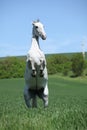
[42, 66]
[33, 68]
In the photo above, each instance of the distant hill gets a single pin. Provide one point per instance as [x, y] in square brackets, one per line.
[14, 66]
[47, 55]
[67, 54]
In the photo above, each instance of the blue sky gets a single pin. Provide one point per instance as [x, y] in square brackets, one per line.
[65, 24]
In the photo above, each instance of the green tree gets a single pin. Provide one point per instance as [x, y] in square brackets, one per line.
[77, 64]
[12, 67]
[51, 66]
[58, 64]
[66, 68]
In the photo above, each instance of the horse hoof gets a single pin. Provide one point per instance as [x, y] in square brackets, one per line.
[41, 73]
[33, 73]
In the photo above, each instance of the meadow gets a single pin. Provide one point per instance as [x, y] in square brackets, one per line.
[67, 108]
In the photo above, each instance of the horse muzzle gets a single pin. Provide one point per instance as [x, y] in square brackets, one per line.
[44, 37]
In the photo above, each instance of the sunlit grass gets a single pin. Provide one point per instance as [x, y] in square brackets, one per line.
[67, 106]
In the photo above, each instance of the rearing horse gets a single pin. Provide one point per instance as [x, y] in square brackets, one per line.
[36, 76]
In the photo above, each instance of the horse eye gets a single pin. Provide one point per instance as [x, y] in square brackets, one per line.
[36, 26]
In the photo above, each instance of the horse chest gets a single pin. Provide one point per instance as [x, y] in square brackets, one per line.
[36, 83]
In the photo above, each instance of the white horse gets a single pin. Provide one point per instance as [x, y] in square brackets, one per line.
[36, 77]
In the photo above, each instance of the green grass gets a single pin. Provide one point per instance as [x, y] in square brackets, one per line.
[67, 106]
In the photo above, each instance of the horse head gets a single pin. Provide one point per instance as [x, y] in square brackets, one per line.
[38, 30]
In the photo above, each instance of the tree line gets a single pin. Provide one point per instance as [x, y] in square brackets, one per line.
[14, 67]
[75, 65]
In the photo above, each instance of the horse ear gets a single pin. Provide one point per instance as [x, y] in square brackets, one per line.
[33, 23]
[38, 20]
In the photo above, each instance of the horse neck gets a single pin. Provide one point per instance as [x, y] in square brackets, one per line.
[35, 42]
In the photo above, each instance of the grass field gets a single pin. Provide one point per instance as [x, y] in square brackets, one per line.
[67, 106]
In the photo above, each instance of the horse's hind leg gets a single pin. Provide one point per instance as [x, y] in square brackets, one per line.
[27, 97]
[45, 99]
[32, 94]
[43, 94]
[34, 101]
